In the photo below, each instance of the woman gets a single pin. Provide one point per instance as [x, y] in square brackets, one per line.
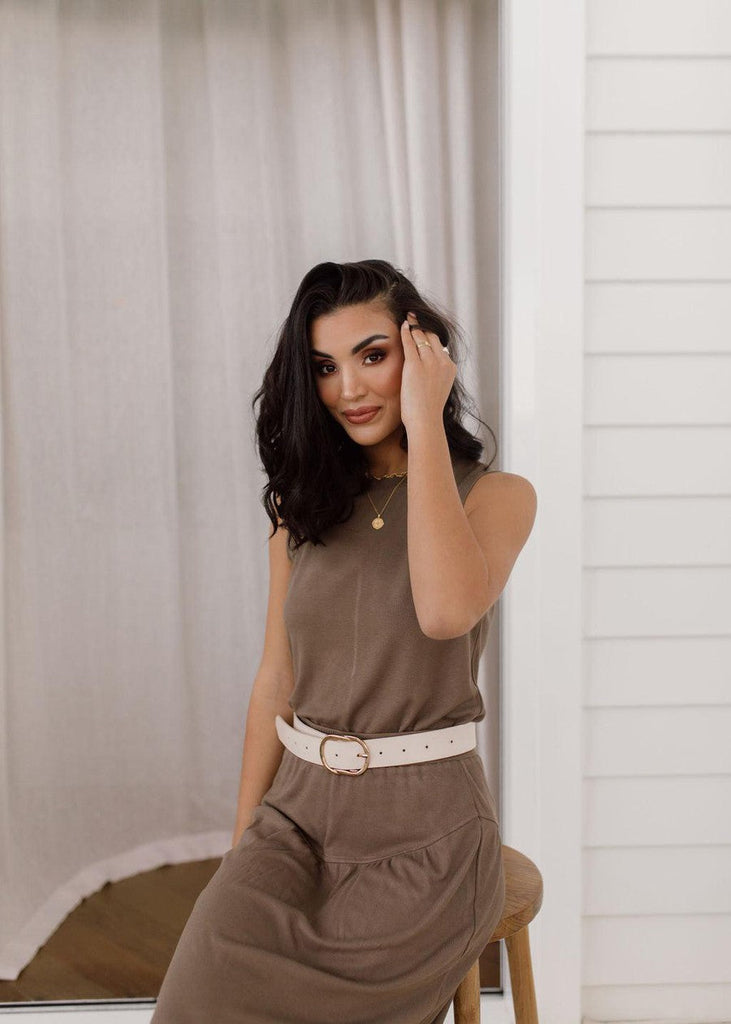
[364, 878]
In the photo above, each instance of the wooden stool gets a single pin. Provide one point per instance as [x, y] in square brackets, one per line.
[523, 898]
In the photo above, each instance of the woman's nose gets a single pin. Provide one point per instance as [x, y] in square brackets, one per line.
[349, 384]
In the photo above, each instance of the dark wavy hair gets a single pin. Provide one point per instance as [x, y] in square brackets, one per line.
[314, 468]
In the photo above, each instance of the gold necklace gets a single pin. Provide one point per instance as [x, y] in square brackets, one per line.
[377, 523]
[386, 475]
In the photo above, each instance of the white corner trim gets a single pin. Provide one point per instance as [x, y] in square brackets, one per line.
[542, 284]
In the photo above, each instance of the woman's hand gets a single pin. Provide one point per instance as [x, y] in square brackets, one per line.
[427, 376]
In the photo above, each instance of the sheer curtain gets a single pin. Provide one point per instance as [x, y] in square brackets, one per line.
[169, 171]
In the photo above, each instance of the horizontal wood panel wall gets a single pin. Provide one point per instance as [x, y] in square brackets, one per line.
[657, 538]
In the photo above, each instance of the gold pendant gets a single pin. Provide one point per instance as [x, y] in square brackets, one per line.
[377, 523]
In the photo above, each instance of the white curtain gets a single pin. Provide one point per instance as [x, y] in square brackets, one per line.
[168, 172]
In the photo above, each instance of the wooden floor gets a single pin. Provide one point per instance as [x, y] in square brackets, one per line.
[116, 944]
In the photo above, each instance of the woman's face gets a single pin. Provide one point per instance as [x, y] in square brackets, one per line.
[370, 376]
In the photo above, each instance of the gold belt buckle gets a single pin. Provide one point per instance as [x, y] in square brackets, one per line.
[345, 771]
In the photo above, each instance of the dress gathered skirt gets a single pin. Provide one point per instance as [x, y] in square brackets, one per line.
[354, 898]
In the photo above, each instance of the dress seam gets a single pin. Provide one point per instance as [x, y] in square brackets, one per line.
[398, 853]
[440, 994]
[470, 783]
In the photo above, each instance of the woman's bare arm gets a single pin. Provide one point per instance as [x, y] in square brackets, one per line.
[273, 683]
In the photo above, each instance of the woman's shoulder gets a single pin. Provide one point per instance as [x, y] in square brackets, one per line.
[493, 486]
[470, 472]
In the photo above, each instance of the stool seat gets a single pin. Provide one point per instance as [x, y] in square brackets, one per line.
[523, 893]
[523, 899]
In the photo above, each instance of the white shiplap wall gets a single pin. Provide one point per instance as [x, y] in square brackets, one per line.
[657, 598]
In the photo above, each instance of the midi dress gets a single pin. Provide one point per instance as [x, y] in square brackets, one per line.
[355, 898]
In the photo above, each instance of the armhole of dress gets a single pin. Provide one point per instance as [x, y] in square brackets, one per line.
[467, 481]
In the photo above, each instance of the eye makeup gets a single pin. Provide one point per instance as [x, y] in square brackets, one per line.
[371, 352]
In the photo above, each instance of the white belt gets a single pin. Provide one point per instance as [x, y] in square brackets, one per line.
[354, 754]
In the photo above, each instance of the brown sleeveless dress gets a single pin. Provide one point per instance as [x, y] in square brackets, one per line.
[360, 898]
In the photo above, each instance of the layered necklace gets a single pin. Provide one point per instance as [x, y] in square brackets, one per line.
[377, 522]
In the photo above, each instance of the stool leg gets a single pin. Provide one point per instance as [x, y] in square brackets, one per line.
[521, 977]
[467, 997]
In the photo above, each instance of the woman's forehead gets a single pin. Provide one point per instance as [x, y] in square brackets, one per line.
[350, 326]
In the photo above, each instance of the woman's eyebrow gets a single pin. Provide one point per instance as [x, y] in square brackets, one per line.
[356, 348]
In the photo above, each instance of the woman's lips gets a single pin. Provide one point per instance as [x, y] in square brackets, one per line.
[364, 418]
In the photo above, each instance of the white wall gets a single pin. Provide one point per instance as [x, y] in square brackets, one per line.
[657, 511]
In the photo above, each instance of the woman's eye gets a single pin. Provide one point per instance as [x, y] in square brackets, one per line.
[374, 352]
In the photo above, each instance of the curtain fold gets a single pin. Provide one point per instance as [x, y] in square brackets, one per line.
[168, 172]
